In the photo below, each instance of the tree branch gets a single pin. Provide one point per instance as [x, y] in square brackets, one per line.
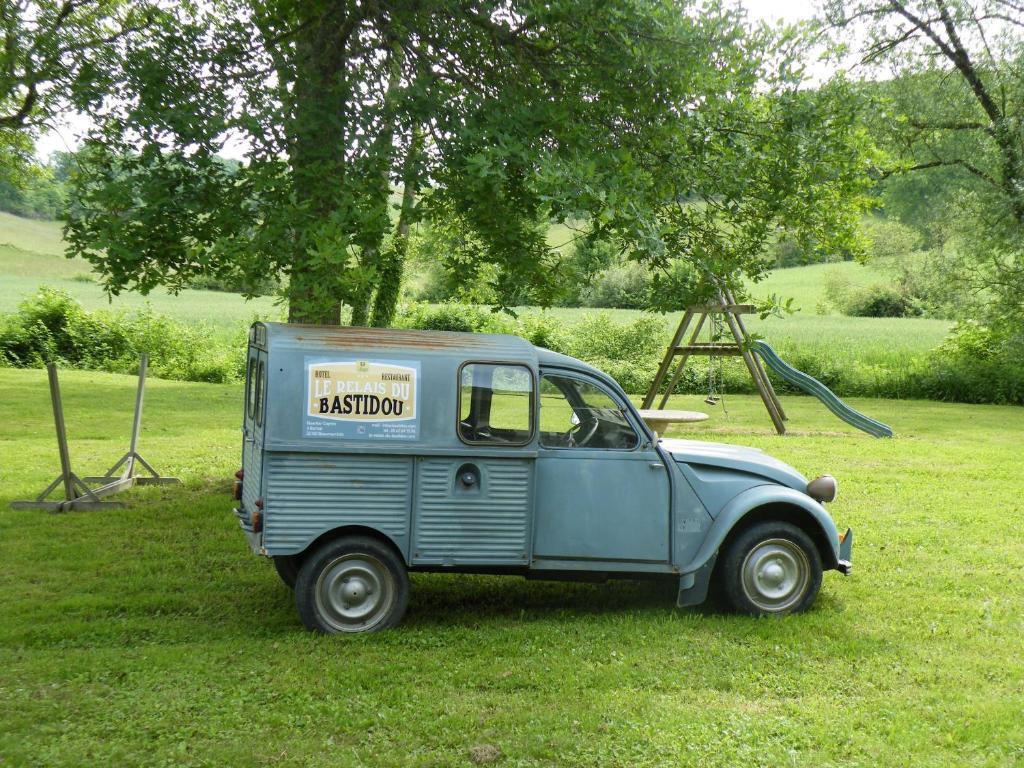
[885, 174]
[966, 125]
[17, 119]
[963, 62]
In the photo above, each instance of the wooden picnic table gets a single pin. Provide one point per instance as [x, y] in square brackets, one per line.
[659, 420]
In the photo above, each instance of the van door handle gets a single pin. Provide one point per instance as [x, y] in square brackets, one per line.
[656, 465]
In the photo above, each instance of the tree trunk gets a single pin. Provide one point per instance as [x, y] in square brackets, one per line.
[371, 256]
[361, 302]
[389, 283]
[317, 135]
[306, 304]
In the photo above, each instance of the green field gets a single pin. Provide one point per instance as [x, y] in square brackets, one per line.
[32, 256]
[150, 636]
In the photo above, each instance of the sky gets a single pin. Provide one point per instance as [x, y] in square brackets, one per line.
[781, 10]
[65, 137]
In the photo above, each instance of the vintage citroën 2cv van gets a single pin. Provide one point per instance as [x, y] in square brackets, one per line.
[370, 453]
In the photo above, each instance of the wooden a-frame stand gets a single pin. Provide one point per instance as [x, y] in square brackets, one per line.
[733, 314]
[78, 495]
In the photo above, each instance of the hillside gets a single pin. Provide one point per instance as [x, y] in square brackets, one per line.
[31, 254]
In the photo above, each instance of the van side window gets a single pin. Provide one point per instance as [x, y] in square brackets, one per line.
[578, 414]
[250, 388]
[261, 393]
[495, 404]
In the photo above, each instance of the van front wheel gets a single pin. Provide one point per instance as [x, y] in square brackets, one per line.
[352, 584]
[772, 568]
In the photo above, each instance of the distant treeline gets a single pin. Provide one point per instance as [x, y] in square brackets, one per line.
[42, 194]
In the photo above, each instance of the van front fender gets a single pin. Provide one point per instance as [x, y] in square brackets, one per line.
[802, 510]
[814, 516]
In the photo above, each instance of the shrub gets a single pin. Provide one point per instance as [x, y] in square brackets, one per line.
[625, 286]
[268, 286]
[976, 364]
[452, 316]
[52, 327]
[879, 300]
[598, 336]
[545, 331]
[876, 300]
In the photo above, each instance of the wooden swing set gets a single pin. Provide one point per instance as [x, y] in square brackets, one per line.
[723, 312]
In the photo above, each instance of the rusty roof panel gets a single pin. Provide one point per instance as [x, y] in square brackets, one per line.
[350, 337]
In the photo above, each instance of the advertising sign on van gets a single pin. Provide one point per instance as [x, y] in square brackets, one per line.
[362, 399]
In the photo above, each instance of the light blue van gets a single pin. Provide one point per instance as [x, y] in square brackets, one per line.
[370, 453]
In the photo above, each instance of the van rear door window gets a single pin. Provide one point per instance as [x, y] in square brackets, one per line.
[261, 392]
[250, 388]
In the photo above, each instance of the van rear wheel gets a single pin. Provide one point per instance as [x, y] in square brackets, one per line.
[770, 569]
[352, 584]
[287, 567]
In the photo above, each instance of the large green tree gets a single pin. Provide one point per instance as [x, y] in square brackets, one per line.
[950, 105]
[673, 128]
[52, 53]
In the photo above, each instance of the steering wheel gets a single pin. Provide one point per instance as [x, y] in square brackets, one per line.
[587, 428]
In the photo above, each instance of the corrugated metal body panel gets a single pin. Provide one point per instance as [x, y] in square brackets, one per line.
[252, 456]
[486, 524]
[311, 493]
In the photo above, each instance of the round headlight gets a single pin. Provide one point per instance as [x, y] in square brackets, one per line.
[822, 488]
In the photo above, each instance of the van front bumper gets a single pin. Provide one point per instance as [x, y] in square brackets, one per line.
[845, 563]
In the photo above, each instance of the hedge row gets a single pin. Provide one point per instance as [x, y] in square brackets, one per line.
[51, 325]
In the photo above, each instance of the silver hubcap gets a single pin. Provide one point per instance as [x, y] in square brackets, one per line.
[354, 593]
[776, 575]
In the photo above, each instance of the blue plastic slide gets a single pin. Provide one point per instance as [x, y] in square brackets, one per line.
[814, 387]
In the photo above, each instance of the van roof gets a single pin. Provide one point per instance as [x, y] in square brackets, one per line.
[488, 345]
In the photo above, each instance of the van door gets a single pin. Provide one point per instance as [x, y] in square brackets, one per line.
[253, 427]
[602, 491]
[474, 508]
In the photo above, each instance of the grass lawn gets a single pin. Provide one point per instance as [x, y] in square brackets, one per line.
[150, 636]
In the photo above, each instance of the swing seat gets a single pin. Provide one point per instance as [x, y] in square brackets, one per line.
[659, 421]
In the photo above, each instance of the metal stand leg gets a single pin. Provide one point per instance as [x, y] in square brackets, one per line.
[77, 495]
[129, 459]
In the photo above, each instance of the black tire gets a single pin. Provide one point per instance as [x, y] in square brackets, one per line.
[769, 569]
[287, 567]
[352, 584]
